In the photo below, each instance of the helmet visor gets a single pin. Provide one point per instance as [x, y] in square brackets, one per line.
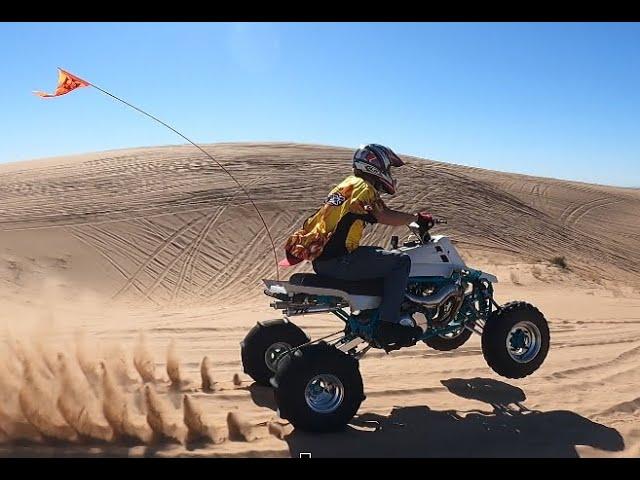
[395, 160]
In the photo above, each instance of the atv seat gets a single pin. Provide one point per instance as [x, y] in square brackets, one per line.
[372, 287]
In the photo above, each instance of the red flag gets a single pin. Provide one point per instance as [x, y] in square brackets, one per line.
[66, 83]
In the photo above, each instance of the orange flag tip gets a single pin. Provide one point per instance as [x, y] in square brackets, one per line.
[67, 82]
[74, 77]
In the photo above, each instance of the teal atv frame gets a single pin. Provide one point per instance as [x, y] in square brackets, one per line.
[476, 307]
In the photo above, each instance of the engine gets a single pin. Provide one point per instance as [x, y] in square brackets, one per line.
[433, 305]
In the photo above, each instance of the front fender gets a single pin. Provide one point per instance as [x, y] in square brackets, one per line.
[488, 277]
[474, 275]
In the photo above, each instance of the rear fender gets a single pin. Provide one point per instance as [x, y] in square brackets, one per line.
[356, 302]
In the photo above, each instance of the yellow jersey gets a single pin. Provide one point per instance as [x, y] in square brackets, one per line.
[337, 227]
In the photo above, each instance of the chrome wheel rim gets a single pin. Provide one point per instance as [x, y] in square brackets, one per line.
[324, 393]
[451, 335]
[524, 342]
[273, 353]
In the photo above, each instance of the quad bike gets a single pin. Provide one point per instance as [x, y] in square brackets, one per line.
[317, 384]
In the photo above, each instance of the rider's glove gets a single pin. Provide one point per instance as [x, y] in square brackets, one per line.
[425, 220]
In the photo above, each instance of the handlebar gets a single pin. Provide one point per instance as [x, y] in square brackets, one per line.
[422, 230]
[436, 221]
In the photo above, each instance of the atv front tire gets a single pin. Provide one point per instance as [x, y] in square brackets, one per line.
[447, 342]
[515, 340]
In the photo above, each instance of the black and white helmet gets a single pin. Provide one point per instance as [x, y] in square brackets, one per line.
[377, 160]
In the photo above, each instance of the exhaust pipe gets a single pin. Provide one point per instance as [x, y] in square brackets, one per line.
[292, 310]
[436, 298]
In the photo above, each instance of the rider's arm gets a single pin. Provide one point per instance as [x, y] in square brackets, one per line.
[386, 216]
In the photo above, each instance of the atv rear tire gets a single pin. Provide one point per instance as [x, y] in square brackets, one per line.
[263, 345]
[318, 388]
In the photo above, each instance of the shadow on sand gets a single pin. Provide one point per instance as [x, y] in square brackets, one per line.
[508, 430]
[262, 396]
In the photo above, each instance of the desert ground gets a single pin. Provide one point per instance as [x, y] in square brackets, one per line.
[121, 271]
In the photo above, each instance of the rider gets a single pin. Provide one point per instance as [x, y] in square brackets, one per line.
[330, 238]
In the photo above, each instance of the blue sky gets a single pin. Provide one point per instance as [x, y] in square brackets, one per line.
[552, 99]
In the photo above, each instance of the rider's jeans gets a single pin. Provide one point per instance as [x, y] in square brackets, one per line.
[366, 263]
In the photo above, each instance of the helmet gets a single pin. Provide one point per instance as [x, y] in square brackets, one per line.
[377, 160]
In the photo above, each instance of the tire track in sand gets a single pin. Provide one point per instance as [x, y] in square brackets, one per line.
[79, 237]
[163, 245]
[195, 246]
[590, 209]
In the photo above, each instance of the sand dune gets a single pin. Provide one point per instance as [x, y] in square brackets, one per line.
[117, 267]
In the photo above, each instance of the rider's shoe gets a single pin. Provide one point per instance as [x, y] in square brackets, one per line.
[397, 335]
[407, 321]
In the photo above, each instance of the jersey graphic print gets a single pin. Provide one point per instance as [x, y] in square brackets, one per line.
[336, 199]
